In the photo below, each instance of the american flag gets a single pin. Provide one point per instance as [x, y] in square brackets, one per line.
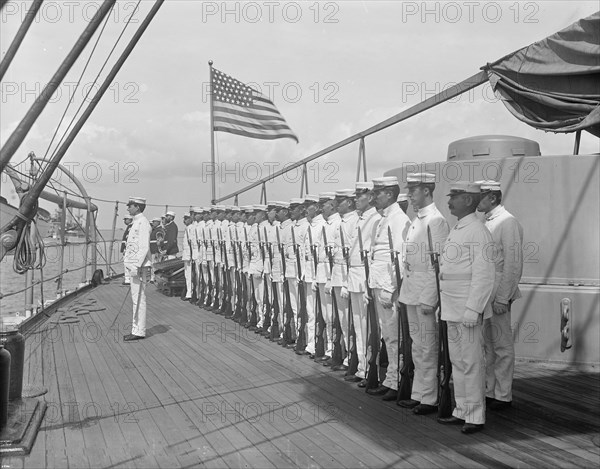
[241, 110]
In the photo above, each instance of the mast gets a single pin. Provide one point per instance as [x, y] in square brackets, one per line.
[14, 45]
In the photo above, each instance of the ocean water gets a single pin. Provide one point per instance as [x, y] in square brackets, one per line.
[12, 305]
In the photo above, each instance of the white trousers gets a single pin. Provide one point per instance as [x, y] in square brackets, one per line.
[258, 283]
[424, 335]
[187, 269]
[343, 305]
[310, 323]
[388, 323]
[465, 345]
[138, 296]
[359, 314]
[294, 302]
[327, 310]
[499, 356]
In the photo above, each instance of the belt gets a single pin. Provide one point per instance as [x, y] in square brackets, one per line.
[455, 276]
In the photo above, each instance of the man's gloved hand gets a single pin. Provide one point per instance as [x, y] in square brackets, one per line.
[499, 308]
[328, 287]
[314, 286]
[344, 292]
[385, 298]
[470, 318]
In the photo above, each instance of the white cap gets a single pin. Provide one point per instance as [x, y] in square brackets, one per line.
[385, 181]
[415, 179]
[171, 213]
[464, 187]
[402, 197]
[489, 185]
[326, 196]
[364, 186]
[311, 198]
[345, 193]
[136, 200]
[296, 201]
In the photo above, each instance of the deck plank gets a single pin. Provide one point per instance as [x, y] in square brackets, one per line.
[202, 392]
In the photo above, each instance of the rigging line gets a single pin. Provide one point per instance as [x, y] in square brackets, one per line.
[79, 82]
[95, 79]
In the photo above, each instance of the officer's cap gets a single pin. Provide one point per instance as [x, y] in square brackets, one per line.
[489, 185]
[363, 187]
[416, 179]
[136, 200]
[343, 193]
[464, 187]
[385, 181]
[324, 196]
[402, 197]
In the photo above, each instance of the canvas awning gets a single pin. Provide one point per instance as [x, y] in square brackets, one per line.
[554, 84]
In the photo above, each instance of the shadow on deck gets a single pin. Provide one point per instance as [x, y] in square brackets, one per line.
[200, 391]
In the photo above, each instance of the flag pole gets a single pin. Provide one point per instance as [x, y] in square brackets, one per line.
[212, 141]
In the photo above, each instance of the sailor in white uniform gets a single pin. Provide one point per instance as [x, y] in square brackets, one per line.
[138, 264]
[467, 283]
[508, 259]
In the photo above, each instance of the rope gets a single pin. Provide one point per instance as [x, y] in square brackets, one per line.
[26, 252]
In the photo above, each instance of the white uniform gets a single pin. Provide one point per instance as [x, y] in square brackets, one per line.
[299, 227]
[310, 275]
[189, 256]
[419, 288]
[137, 256]
[467, 284]
[357, 283]
[199, 230]
[507, 234]
[339, 276]
[331, 226]
[383, 281]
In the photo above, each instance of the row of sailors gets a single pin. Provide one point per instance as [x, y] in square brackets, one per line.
[479, 279]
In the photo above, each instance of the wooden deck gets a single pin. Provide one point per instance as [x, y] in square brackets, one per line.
[201, 392]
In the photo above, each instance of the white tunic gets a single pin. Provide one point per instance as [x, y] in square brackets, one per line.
[367, 222]
[466, 275]
[419, 285]
[339, 277]
[190, 244]
[137, 249]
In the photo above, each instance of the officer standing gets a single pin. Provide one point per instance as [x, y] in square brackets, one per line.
[383, 276]
[189, 254]
[138, 264]
[467, 283]
[507, 256]
[419, 291]
[156, 235]
[171, 232]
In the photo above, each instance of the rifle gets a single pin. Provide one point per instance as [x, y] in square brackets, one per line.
[253, 320]
[201, 284]
[407, 371]
[288, 313]
[373, 336]
[266, 306]
[337, 357]
[302, 313]
[226, 309]
[194, 296]
[216, 287]
[208, 296]
[444, 365]
[274, 335]
[242, 287]
[353, 355]
[236, 286]
[320, 324]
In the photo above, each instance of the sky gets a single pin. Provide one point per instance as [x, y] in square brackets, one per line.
[332, 68]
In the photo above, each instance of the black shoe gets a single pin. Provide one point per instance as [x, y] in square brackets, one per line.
[311, 356]
[450, 421]
[391, 395]
[408, 403]
[291, 346]
[340, 368]
[279, 341]
[301, 352]
[500, 405]
[469, 428]
[352, 379]
[252, 328]
[130, 337]
[126, 283]
[378, 391]
[424, 409]
[327, 362]
[362, 384]
[323, 358]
